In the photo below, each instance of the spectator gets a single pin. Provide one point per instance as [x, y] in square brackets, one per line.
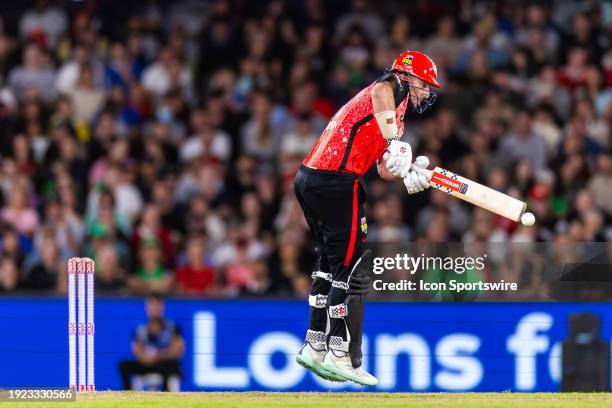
[444, 208]
[66, 225]
[200, 218]
[260, 135]
[23, 156]
[101, 202]
[44, 22]
[13, 244]
[299, 142]
[574, 74]
[523, 143]
[158, 347]
[236, 258]
[544, 125]
[484, 229]
[362, 15]
[150, 227]
[167, 73]
[444, 45]
[196, 276]
[538, 33]
[485, 39]
[217, 44]
[18, 214]
[600, 185]
[69, 73]
[110, 275]
[544, 89]
[34, 76]
[207, 141]
[118, 155]
[387, 222]
[150, 275]
[9, 275]
[104, 234]
[43, 274]
[261, 283]
[121, 69]
[87, 99]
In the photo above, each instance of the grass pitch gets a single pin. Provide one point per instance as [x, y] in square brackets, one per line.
[129, 399]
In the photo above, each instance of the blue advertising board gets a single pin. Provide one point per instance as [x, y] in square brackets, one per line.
[250, 345]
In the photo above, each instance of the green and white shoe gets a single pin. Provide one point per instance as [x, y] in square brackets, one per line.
[342, 367]
[312, 359]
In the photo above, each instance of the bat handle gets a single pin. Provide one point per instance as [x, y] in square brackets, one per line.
[421, 170]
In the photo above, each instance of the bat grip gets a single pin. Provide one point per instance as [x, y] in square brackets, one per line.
[421, 170]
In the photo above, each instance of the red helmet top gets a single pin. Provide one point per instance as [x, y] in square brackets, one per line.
[417, 64]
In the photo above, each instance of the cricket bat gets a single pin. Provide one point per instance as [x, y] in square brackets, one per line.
[477, 194]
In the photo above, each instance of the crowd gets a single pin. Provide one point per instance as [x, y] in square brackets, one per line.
[162, 138]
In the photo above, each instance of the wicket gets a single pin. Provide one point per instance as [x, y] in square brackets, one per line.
[81, 287]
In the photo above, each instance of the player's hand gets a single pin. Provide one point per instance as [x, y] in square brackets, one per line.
[399, 158]
[418, 177]
[147, 359]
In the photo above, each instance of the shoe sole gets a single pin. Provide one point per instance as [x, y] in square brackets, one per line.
[334, 370]
[318, 369]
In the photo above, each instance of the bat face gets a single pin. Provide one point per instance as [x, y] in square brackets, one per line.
[477, 194]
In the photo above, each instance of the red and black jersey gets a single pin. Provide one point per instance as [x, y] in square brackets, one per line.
[352, 141]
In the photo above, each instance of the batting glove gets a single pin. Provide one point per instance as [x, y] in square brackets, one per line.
[398, 158]
[418, 177]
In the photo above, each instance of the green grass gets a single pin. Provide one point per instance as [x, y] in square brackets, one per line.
[109, 399]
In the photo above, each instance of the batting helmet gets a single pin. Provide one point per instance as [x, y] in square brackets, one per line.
[417, 64]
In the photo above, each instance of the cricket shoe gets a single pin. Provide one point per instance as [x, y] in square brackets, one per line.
[342, 367]
[312, 359]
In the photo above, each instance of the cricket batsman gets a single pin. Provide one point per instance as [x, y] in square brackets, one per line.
[365, 130]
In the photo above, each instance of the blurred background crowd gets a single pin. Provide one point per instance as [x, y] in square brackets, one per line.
[162, 138]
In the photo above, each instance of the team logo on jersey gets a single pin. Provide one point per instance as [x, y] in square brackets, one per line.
[364, 225]
[407, 60]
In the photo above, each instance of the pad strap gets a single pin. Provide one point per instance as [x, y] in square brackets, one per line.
[321, 274]
[316, 337]
[318, 301]
[340, 285]
[337, 343]
[338, 311]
